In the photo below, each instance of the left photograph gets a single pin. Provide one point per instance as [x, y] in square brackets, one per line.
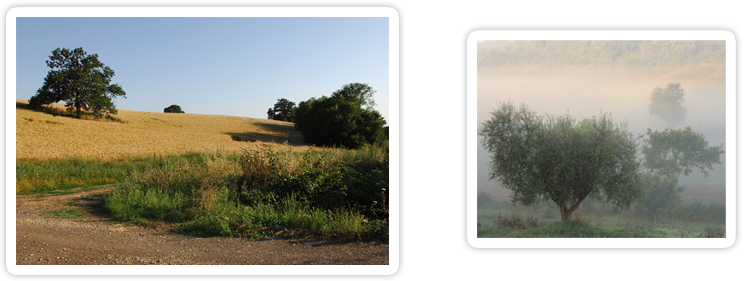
[205, 140]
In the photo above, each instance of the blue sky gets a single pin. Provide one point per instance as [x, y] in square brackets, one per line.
[225, 66]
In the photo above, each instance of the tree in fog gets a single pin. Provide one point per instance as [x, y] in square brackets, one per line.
[667, 104]
[660, 193]
[677, 152]
[561, 159]
[669, 154]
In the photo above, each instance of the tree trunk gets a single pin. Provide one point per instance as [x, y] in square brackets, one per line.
[566, 212]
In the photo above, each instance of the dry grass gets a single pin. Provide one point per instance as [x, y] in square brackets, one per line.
[42, 136]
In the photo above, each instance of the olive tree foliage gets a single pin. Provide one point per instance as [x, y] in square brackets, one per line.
[79, 79]
[561, 159]
[669, 154]
[667, 104]
[173, 109]
[283, 110]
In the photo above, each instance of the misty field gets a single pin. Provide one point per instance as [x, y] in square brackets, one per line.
[206, 175]
[601, 139]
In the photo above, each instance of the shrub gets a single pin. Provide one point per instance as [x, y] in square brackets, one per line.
[516, 222]
[328, 179]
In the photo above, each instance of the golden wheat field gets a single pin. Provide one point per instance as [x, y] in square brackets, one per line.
[42, 136]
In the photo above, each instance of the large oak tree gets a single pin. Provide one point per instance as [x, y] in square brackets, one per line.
[79, 79]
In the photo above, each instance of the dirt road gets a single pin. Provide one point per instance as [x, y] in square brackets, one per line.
[42, 238]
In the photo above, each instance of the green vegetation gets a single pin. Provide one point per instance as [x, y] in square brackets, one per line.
[516, 224]
[263, 192]
[260, 193]
[173, 109]
[346, 119]
[668, 155]
[284, 110]
[561, 159]
[56, 175]
[594, 163]
[80, 80]
[66, 213]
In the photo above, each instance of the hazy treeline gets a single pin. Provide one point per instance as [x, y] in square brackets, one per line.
[604, 53]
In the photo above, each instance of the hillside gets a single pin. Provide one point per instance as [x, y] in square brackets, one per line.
[700, 59]
[43, 136]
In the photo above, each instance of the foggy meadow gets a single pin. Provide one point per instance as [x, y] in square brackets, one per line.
[585, 79]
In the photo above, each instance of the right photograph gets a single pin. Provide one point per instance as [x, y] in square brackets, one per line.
[595, 137]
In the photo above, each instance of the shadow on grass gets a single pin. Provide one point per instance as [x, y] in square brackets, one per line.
[69, 114]
[282, 134]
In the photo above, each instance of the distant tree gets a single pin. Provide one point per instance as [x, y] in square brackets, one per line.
[81, 80]
[667, 104]
[341, 119]
[173, 109]
[284, 110]
[660, 193]
[561, 159]
[677, 152]
[669, 154]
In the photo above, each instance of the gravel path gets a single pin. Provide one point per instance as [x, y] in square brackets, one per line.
[42, 238]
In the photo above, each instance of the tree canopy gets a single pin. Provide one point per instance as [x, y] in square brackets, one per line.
[173, 109]
[79, 79]
[345, 119]
[283, 110]
[667, 155]
[667, 104]
[561, 159]
[358, 93]
[677, 152]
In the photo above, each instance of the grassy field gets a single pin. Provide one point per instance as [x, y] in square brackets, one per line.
[206, 175]
[691, 220]
[41, 135]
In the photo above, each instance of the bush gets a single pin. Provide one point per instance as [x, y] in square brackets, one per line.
[173, 109]
[517, 222]
[327, 179]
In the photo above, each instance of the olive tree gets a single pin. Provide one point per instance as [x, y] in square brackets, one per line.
[561, 159]
[79, 79]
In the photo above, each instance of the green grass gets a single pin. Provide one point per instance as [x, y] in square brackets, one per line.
[263, 193]
[505, 224]
[66, 213]
[260, 193]
[34, 176]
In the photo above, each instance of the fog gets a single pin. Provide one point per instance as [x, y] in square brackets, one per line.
[588, 89]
